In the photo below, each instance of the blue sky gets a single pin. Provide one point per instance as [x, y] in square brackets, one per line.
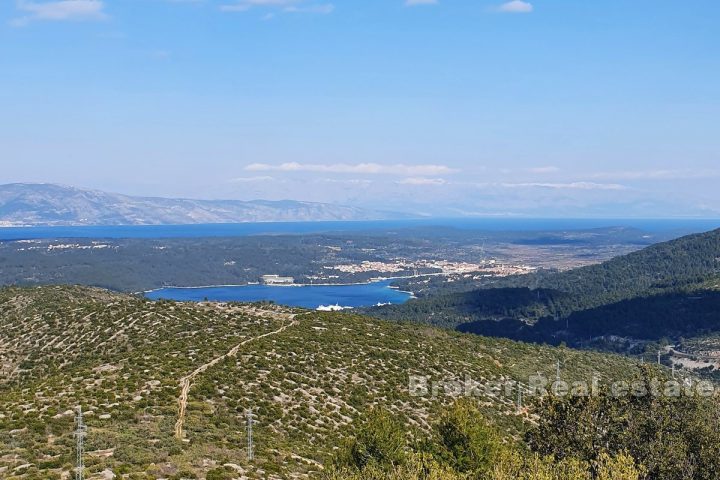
[480, 107]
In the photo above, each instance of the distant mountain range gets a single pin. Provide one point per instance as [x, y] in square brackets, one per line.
[48, 204]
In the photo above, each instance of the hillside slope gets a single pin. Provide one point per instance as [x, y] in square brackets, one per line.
[666, 289]
[47, 204]
[140, 369]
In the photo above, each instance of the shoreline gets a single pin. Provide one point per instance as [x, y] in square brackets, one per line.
[373, 280]
[369, 282]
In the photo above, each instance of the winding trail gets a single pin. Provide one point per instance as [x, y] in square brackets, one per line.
[186, 382]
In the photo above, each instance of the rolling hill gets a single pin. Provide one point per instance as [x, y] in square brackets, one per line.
[164, 386]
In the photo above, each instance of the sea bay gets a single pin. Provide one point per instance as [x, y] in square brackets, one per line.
[306, 296]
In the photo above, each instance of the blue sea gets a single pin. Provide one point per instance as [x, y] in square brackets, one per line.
[307, 296]
[278, 228]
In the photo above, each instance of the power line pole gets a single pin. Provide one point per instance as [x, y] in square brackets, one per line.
[250, 417]
[519, 396]
[80, 434]
[557, 375]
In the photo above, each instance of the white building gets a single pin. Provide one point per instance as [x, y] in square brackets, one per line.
[276, 280]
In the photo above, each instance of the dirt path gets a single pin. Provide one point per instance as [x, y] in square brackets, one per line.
[186, 382]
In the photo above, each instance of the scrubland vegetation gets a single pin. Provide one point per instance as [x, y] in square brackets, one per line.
[602, 437]
[122, 359]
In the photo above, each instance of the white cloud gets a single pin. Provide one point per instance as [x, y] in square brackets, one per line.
[568, 186]
[323, 9]
[284, 6]
[422, 181]
[359, 168]
[349, 181]
[515, 6]
[413, 3]
[264, 178]
[61, 10]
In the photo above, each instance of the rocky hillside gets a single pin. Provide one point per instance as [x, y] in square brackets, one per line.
[46, 204]
[165, 385]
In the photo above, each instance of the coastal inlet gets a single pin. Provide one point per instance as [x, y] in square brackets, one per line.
[320, 297]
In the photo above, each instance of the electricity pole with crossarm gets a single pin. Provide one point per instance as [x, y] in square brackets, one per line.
[250, 416]
[80, 434]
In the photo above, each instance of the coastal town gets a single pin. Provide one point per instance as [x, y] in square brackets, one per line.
[438, 267]
[384, 270]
